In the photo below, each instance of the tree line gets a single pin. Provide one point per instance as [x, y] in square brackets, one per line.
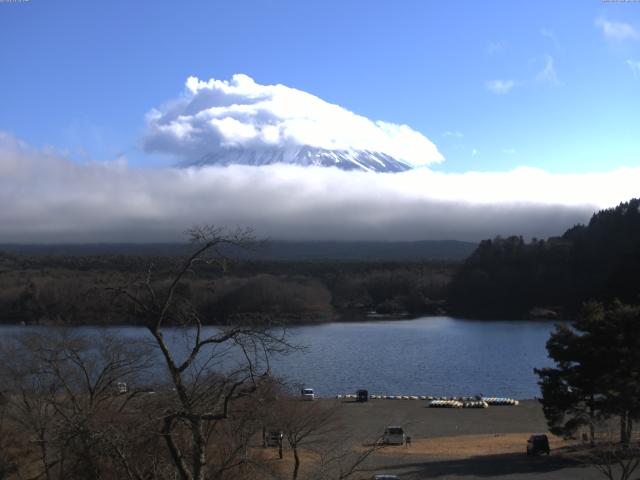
[503, 278]
[511, 277]
[76, 290]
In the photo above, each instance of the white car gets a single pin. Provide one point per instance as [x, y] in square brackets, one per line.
[393, 436]
[308, 394]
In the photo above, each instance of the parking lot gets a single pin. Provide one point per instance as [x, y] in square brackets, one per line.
[459, 443]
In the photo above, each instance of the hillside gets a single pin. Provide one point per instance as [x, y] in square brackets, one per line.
[508, 277]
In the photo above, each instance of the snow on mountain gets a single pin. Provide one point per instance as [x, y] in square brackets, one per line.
[306, 156]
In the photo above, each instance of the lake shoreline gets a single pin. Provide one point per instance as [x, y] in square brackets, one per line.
[436, 355]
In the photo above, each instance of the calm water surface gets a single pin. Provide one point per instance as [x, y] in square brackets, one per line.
[425, 356]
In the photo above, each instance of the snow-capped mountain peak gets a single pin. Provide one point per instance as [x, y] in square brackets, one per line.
[350, 159]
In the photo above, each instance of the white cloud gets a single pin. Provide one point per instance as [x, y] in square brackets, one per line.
[211, 116]
[550, 34]
[52, 198]
[548, 73]
[455, 134]
[634, 65]
[617, 31]
[500, 87]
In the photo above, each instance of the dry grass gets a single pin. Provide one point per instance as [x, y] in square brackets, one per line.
[466, 446]
[283, 467]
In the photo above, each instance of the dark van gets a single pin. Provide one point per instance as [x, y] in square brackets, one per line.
[362, 396]
[537, 444]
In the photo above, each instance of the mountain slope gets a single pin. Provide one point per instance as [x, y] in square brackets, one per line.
[364, 160]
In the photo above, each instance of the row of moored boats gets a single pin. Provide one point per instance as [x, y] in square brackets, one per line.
[443, 402]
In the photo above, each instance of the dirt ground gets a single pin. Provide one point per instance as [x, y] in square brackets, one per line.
[459, 443]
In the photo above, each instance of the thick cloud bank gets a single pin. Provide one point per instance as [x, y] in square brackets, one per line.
[215, 115]
[48, 198]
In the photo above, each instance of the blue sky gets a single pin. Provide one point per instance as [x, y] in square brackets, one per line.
[532, 106]
[80, 76]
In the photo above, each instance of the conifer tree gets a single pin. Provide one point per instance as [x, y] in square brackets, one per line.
[597, 373]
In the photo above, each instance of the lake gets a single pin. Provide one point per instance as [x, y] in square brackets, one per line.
[440, 356]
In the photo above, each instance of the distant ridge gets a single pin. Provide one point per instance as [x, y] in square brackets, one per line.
[274, 250]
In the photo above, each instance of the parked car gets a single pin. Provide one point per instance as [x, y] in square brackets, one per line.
[274, 438]
[362, 396]
[308, 394]
[393, 436]
[538, 444]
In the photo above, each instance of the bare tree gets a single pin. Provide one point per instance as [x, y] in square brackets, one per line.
[320, 444]
[204, 385]
[304, 425]
[614, 462]
[7, 466]
[62, 399]
[340, 461]
[218, 395]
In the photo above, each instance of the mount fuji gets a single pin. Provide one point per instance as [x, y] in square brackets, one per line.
[351, 159]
